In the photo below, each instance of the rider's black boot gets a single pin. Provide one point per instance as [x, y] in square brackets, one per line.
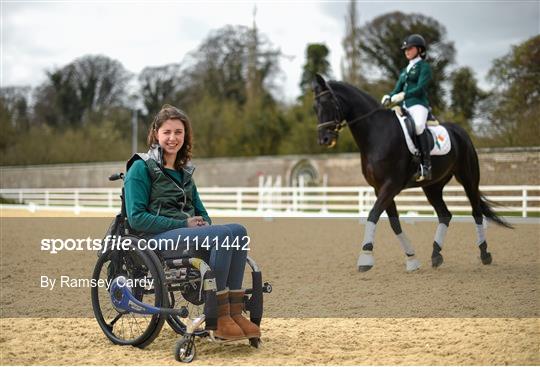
[424, 172]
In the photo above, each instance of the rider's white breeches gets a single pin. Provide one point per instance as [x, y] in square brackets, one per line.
[419, 114]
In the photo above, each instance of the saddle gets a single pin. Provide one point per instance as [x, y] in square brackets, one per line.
[409, 122]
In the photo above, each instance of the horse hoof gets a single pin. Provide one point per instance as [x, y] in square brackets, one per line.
[486, 259]
[364, 268]
[365, 261]
[412, 265]
[436, 261]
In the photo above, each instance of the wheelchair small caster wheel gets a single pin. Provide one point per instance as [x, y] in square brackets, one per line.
[267, 287]
[255, 342]
[185, 350]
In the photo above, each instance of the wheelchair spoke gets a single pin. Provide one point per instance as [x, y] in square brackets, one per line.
[135, 319]
[122, 328]
[111, 324]
[131, 328]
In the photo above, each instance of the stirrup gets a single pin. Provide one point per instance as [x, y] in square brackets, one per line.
[421, 174]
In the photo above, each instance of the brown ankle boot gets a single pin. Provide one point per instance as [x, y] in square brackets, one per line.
[237, 304]
[226, 327]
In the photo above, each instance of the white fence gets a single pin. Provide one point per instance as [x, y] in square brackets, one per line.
[284, 201]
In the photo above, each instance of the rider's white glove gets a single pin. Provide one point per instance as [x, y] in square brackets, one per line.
[385, 100]
[396, 98]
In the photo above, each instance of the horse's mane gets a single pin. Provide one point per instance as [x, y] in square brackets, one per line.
[354, 92]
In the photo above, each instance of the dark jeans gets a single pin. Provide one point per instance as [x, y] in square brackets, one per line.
[227, 263]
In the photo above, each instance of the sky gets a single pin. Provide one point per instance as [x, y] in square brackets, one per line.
[42, 35]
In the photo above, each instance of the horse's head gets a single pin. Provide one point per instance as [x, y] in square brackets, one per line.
[328, 111]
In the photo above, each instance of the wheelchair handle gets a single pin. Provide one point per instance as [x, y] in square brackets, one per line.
[116, 176]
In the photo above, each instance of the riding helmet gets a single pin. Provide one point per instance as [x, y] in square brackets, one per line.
[415, 40]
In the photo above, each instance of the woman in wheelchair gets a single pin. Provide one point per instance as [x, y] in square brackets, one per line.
[162, 202]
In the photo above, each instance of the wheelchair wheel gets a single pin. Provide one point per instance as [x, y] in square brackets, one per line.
[186, 294]
[120, 326]
[184, 350]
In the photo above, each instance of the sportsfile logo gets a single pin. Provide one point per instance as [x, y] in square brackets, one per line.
[186, 243]
[56, 245]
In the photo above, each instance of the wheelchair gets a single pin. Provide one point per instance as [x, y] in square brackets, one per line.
[135, 291]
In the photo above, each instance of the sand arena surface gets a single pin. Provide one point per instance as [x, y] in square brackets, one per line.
[322, 311]
[363, 341]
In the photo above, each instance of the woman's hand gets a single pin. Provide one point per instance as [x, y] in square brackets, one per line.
[196, 222]
[396, 98]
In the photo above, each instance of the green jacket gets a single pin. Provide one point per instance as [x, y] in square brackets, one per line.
[159, 199]
[414, 83]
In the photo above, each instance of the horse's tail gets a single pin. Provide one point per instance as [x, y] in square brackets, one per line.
[486, 208]
[469, 176]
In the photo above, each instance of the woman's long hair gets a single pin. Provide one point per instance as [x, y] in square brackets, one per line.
[169, 112]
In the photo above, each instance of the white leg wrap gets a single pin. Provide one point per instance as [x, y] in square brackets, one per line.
[440, 234]
[369, 233]
[481, 234]
[412, 264]
[405, 243]
[366, 258]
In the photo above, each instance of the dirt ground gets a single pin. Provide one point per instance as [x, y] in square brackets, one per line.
[322, 311]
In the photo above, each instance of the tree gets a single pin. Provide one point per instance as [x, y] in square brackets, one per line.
[231, 75]
[465, 97]
[159, 85]
[316, 62]
[350, 64]
[221, 66]
[88, 86]
[381, 40]
[14, 104]
[515, 102]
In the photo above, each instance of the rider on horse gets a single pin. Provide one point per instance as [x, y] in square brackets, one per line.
[411, 89]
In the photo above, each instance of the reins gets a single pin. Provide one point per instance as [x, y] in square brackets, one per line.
[338, 125]
[365, 116]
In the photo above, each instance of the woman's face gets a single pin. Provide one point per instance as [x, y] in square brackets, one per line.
[171, 136]
[411, 52]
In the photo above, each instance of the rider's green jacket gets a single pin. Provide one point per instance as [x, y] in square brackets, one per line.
[414, 83]
[159, 199]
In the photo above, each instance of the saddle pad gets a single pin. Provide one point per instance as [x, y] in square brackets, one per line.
[439, 133]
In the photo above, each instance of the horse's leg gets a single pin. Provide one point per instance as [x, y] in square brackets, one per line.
[473, 193]
[393, 216]
[384, 196]
[434, 194]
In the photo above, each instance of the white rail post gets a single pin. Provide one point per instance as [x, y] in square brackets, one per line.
[260, 193]
[46, 197]
[301, 192]
[524, 202]
[268, 188]
[76, 197]
[360, 200]
[239, 200]
[277, 197]
[294, 196]
[20, 197]
[324, 208]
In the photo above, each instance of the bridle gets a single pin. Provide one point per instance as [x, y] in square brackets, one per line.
[339, 122]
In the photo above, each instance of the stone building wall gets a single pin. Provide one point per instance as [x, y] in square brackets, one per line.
[507, 166]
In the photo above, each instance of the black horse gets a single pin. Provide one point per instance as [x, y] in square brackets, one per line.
[389, 167]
